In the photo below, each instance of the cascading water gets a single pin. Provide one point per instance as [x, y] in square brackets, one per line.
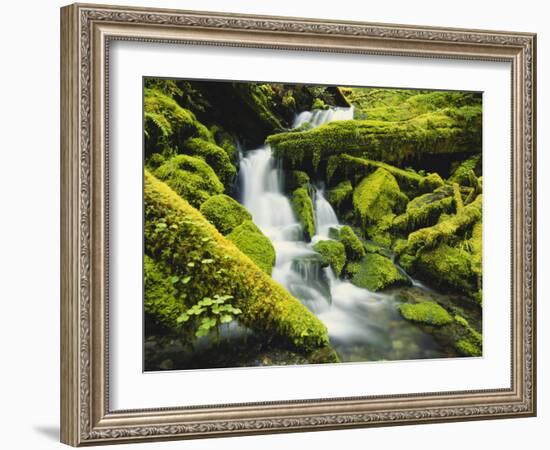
[362, 325]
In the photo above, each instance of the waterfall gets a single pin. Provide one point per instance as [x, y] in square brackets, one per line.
[325, 217]
[298, 267]
[355, 317]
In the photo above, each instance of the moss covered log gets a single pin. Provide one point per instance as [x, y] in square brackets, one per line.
[447, 131]
[202, 263]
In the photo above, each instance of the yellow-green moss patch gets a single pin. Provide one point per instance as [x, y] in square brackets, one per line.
[429, 313]
[192, 178]
[253, 243]
[207, 264]
[333, 254]
[375, 272]
[303, 208]
[224, 212]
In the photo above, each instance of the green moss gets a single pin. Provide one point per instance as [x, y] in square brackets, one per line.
[182, 240]
[303, 208]
[225, 141]
[404, 104]
[162, 302]
[430, 182]
[155, 160]
[260, 99]
[467, 348]
[421, 214]
[460, 174]
[296, 179]
[340, 195]
[447, 267]
[377, 196]
[354, 169]
[457, 198]
[167, 125]
[447, 230]
[445, 131]
[429, 313]
[333, 254]
[353, 245]
[224, 213]
[215, 157]
[191, 178]
[375, 272]
[253, 243]
[319, 104]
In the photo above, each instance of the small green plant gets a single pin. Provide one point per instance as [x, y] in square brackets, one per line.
[209, 313]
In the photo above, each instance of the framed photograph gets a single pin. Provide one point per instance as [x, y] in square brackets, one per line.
[278, 224]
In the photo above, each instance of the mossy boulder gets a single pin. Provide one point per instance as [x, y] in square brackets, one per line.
[167, 125]
[200, 263]
[429, 313]
[303, 208]
[333, 254]
[192, 178]
[375, 272]
[253, 243]
[377, 196]
[224, 213]
[430, 182]
[340, 196]
[216, 157]
[353, 245]
[376, 200]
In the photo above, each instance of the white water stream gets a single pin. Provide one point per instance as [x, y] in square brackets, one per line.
[362, 325]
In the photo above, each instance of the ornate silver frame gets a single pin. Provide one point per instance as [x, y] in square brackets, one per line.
[86, 31]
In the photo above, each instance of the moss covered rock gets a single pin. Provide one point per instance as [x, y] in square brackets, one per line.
[303, 208]
[167, 125]
[253, 243]
[375, 272]
[376, 200]
[340, 195]
[192, 178]
[215, 157]
[447, 267]
[353, 245]
[202, 263]
[429, 313]
[224, 213]
[295, 179]
[333, 254]
[377, 196]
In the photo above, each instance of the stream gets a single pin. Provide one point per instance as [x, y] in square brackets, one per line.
[362, 325]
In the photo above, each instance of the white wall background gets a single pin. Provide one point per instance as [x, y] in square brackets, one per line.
[29, 224]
